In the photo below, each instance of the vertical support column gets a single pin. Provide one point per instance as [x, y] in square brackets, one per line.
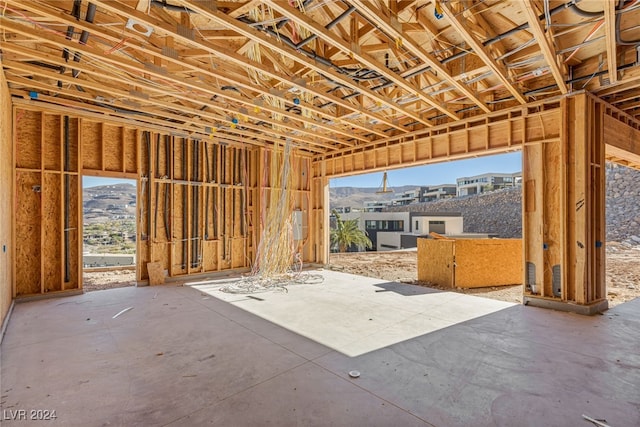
[564, 217]
[320, 198]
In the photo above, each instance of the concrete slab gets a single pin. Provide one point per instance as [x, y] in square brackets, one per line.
[183, 357]
[354, 314]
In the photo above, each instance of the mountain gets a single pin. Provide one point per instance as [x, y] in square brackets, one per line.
[108, 202]
[356, 196]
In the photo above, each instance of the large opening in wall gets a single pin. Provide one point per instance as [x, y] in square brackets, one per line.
[109, 233]
[623, 233]
[472, 199]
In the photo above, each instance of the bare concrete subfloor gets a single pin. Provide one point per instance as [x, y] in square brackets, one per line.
[182, 357]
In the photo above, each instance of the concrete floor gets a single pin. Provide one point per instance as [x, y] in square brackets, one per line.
[181, 357]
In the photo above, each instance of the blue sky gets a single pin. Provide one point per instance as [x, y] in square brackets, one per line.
[440, 173]
[94, 181]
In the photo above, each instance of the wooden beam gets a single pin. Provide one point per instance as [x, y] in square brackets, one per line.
[195, 67]
[545, 46]
[610, 36]
[234, 58]
[292, 54]
[213, 122]
[479, 49]
[120, 62]
[384, 23]
[364, 58]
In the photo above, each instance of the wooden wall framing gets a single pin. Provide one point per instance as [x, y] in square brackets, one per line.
[47, 192]
[198, 201]
[492, 133]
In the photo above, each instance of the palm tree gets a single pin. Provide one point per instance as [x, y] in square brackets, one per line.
[347, 233]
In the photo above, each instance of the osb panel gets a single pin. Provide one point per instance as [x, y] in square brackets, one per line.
[75, 232]
[131, 150]
[179, 152]
[180, 234]
[113, 150]
[52, 251]
[161, 254]
[91, 145]
[6, 198]
[238, 258]
[27, 233]
[143, 254]
[210, 255]
[488, 262]
[28, 139]
[52, 143]
[156, 273]
[162, 212]
[553, 219]
[435, 261]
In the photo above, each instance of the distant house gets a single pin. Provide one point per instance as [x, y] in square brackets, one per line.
[437, 192]
[406, 198]
[375, 206]
[486, 182]
[386, 229]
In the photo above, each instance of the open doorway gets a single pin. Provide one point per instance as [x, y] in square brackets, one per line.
[476, 198]
[623, 234]
[109, 233]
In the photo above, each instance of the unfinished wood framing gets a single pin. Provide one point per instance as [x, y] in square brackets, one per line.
[47, 223]
[564, 211]
[470, 263]
[198, 200]
[191, 98]
[7, 205]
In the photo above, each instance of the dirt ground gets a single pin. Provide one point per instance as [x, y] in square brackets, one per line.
[109, 279]
[623, 273]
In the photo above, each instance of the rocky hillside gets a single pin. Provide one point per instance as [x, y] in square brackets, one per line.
[356, 196]
[500, 211]
[497, 212]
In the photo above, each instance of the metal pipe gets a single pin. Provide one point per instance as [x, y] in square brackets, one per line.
[84, 36]
[67, 201]
[206, 190]
[185, 202]
[329, 26]
[156, 173]
[196, 205]
[147, 138]
[243, 195]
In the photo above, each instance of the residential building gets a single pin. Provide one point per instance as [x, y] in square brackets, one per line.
[436, 192]
[487, 182]
[386, 229]
[376, 206]
[406, 198]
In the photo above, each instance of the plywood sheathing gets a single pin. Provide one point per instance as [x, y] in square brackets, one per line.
[28, 234]
[436, 262]
[491, 262]
[41, 177]
[7, 206]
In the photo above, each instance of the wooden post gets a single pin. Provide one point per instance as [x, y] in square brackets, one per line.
[564, 216]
